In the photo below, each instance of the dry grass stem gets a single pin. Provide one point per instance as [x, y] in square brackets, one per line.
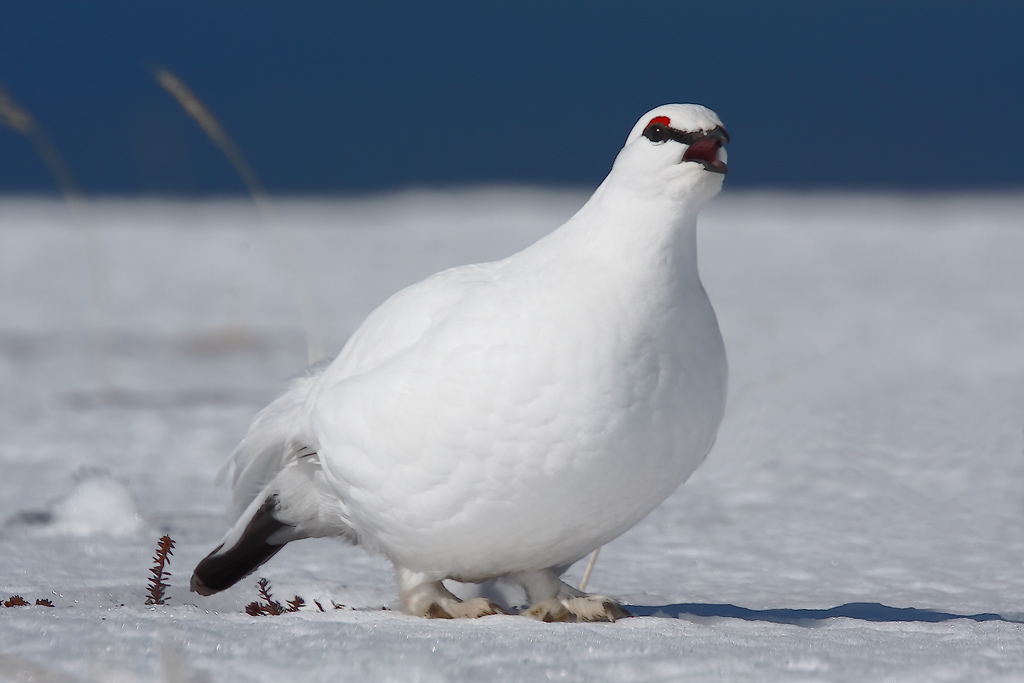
[195, 108]
[589, 569]
[17, 117]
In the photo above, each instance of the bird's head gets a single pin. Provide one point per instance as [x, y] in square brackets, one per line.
[677, 150]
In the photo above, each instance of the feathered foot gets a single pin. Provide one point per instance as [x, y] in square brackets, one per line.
[551, 599]
[422, 597]
[583, 608]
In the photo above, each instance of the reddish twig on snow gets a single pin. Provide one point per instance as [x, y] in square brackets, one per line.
[270, 606]
[18, 601]
[158, 584]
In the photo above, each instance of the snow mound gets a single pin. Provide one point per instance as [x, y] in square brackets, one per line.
[99, 504]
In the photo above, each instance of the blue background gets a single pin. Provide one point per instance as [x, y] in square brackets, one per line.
[349, 97]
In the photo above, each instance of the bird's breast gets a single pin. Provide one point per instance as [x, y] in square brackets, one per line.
[553, 418]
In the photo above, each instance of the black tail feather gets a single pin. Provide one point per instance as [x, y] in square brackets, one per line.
[222, 569]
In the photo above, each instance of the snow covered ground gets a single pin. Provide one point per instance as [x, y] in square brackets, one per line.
[859, 519]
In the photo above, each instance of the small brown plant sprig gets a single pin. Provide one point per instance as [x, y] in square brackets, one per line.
[321, 607]
[158, 584]
[270, 606]
[18, 601]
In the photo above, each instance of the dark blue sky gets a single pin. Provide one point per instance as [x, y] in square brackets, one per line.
[328, 97]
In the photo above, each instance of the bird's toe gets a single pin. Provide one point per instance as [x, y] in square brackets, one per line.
[470, 609]
[582, 608]
[549, 611]
[596, 608]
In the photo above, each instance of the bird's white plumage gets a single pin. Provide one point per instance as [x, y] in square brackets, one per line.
[513, 416]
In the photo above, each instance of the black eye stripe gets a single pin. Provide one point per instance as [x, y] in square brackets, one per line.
[659, 132]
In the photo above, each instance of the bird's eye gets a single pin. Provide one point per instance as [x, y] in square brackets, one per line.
[656, 132]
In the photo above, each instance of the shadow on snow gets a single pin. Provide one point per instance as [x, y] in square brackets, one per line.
[865, 611]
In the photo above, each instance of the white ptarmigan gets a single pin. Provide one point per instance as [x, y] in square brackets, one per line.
[503, 420]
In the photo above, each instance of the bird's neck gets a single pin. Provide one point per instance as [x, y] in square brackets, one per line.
[623, 228]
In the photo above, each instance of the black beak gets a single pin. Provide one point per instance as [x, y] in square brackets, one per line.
[703, 149]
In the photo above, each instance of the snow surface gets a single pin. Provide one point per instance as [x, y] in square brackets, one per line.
[859, 519]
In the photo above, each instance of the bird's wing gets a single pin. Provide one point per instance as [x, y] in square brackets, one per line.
[394, 326]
